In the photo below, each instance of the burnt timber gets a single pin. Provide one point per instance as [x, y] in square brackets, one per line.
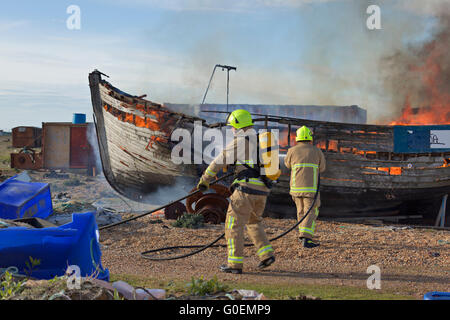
[363, 177]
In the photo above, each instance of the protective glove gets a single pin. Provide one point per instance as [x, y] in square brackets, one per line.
[203, 185]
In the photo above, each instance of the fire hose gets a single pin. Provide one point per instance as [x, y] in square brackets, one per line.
[164, 206]
[211, 244]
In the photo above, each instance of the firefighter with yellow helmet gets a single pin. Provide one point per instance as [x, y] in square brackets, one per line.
[306, 161]
[249, 196]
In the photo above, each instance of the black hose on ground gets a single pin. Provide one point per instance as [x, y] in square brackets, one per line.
[212, 244]
[162, 207]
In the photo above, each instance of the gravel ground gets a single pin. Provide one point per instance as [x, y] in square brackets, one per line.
[412, 261]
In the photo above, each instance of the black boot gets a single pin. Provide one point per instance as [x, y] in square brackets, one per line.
[227, 269]
[308, 243]
[265, 263]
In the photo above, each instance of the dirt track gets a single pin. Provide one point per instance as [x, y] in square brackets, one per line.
[412, 261]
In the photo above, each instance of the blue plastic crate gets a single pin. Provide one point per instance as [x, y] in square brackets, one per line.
[436, 295]
[56, 248]
[20, 199]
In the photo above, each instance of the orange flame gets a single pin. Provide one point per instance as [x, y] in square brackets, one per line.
[435, 87]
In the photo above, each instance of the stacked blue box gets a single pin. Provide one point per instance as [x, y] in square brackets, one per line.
[19, 199]
[74, 244]
[435, 295]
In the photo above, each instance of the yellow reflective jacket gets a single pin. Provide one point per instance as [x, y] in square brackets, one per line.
[305, 162]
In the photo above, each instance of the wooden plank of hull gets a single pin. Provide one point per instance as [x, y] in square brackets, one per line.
[344, 171]
[131, 160]
[399, 183]
[94, 83]
[359, 161]
[119, 105]
[332, 127]
[128, 104]
[347, 201]
[372, 182]
[354, 170]
[356, 137]
[364, 146]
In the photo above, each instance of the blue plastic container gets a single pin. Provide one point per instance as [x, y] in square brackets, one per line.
[436, 295]
[79, 118]
[75, 243]
[20, 199]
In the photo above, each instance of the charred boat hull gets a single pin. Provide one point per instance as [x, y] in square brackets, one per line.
[364, 175]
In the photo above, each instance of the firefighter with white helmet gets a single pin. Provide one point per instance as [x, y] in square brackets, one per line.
[249, 196]
[306, 161]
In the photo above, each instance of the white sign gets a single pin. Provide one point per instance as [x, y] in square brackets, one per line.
[439, 139]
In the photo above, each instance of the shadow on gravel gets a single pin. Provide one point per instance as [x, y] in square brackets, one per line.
[349, 276]
[381, 247]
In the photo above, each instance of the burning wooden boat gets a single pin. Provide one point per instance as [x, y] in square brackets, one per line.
[134, 140]
[367, 172]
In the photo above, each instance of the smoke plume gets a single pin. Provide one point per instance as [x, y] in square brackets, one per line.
[418, 78]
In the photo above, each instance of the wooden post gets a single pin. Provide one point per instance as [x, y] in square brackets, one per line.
[441, 215]
[289, 135]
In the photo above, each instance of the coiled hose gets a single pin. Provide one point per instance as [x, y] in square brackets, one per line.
[213, 243]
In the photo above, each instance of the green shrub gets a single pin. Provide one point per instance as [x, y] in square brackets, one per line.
[31, 264]
[9, 287]
[201, 287]
[188, 220]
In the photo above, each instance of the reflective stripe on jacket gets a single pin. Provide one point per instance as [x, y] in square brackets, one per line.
[254, 181]
[305, 162]
[240, 150]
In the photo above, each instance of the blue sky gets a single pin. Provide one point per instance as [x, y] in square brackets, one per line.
[286, 52]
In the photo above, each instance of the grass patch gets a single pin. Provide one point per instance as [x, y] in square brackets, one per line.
[276, 291]
[324, 292]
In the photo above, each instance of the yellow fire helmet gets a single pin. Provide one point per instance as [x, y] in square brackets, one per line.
[239, 119]
[303, 134]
